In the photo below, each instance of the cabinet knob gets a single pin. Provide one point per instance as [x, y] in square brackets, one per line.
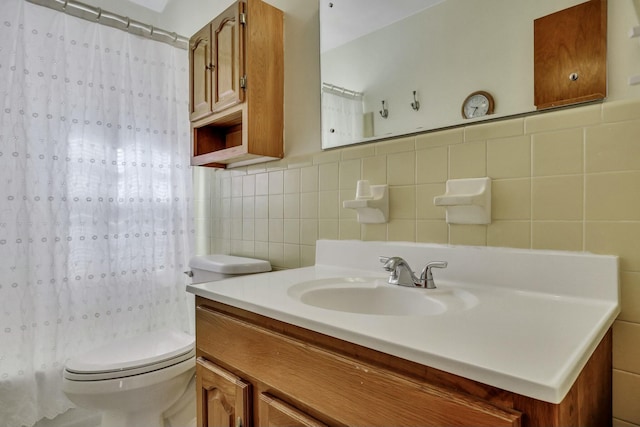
[573, 77]
[239, 422]
[210, 67]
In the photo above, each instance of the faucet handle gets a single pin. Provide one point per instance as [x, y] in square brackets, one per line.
[384, 259]
[427, 276]
[437, 264]
[388, 262]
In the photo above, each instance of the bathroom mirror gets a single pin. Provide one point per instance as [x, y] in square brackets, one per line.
[392, 68]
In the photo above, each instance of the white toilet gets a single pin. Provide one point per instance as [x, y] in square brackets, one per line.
[134, 381]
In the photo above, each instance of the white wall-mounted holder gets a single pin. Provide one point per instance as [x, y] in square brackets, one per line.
[468, 201]
[371, 203]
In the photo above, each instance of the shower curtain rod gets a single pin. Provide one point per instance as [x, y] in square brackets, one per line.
[90, 13]
[341, 90]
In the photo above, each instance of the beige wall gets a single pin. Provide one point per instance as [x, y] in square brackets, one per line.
[567, 180]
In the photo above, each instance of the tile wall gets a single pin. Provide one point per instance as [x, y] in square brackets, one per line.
[566, 180]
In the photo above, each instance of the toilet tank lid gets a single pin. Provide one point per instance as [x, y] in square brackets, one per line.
[229, 264]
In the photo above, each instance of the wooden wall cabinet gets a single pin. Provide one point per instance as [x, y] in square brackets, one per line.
[237, 86]
[570, 55]
[299, 377]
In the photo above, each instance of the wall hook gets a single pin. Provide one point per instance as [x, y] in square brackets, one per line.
[384, 112]
[415, 104]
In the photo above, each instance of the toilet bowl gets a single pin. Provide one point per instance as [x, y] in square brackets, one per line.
[132, 381]
[135, 380]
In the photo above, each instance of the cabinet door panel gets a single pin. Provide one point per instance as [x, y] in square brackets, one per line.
[219, 410]
[200, 76]
[223, 398]
[228, 58]
[570, 55]
[276, 413]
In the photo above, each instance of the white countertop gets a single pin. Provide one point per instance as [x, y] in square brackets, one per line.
[531, 332]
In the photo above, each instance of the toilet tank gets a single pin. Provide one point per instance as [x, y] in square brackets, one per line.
[210, 268]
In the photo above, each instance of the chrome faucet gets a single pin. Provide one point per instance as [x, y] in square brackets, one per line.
[402, 275]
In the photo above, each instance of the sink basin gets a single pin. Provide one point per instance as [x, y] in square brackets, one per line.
[375, 296]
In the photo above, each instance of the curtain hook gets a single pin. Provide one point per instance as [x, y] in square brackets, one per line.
[384, 113]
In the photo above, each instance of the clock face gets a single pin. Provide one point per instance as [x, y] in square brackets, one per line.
[477, 104]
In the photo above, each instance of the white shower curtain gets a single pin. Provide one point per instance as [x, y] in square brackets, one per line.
[95, 184]
[342, 118]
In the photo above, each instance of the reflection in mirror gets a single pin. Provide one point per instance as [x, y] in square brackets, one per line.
[343, 118]
[380, 58]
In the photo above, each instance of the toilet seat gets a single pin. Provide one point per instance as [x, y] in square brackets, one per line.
[141, 354]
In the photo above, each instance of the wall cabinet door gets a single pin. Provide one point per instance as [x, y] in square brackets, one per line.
[228, 57]
[570, 55]
[276, 413]
[223, 398]
[200, 64]
[216, 59]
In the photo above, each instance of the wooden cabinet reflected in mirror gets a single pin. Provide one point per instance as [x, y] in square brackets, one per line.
[570, 55]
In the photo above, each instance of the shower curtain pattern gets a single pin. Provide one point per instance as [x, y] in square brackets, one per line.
[342, 118]
[95, 184]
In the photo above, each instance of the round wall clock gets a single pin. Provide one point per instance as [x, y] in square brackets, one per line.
[478, 104]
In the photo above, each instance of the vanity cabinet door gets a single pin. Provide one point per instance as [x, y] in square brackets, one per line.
[200, 65]
[228, 57]
[223, 398]
[275, 413]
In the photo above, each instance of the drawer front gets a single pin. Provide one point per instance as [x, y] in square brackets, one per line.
[274, 413]
[347, 391]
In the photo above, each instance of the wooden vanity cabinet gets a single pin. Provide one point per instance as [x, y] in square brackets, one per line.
[237, 86]
[294, 376]
[276, 413]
